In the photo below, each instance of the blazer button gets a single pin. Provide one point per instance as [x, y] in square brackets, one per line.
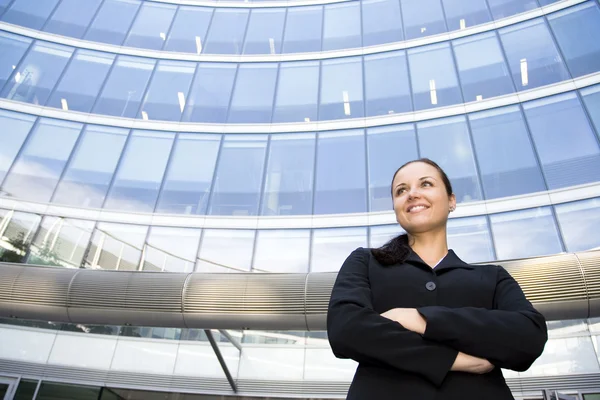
[430, 286]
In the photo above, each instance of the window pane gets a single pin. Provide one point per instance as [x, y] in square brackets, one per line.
[389, 148]
[532, 56]
[79, 86]
[190, 174]
[433, 77]
[92, 166]
[576, 30]
[151, 25]
[15, 127]
[61, 242]
[210, 93]
[253, 93]
[139, 177]
[124, 88]
[168, 90]
[572, 355]
[461, 14]
[422, 18]
[265, 31]
[289, 178]
[215, 251]
[282, 251]
[39, 166]
[188, 32]
[171, 249]
[112, 21]
[16, 235]
[386, 84]
[38, 73]
[446, 141]
[227, 30]
[332, 246]
[564, 140]
[341, 173]
[52, 390]
[591, 98]
[239, 175]
[29, 13]
[506, 157]
[341, 89]
[3, 5]
[382, 22]
[303, 29]
[506, 8]
[380, 235]
[297, 92]
[116, 246]
[483, 71]
[72, 17]
[341, 26]
[470, 239]
[525, 233]
[13, 48]
[579, 224]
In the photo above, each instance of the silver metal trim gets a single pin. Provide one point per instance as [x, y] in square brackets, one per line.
[242, 4]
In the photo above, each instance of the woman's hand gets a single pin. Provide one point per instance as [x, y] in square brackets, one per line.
[473, 365]
[409, 318]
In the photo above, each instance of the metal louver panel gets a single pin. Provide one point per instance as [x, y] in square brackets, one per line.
[318, 292]
[591, 271]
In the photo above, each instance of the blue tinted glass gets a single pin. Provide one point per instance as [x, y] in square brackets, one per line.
[116, 246]
[526, 233]
[546, 2]
[190, 173]
[15, 128]
[138, 178]
[124, 88]
[171, 249]
[591, 98]
[289, 177]
[461, 14]
[506, 157]
[422, 18]
[239, 175]
[168, 91]
[389, 148]
[282, 250]
[506, 8]
[40, 164]
[3, 5]
[91, 168]
[13, 48]
[81, 82]
[265, 31]
[297, 92]
[72, 17]
[29, 13]
[253, 93]
[341, 26]
[446, 141]
[151, 26]
[470, 238]
[210, 93]
[481, 66]
[331, 247]
[577, 30]
[113, 21]
[226, 34]
[381, 234]
[532, 56]
[215, 253]
[433, 77]
[341, 173]
[579, 224]
[38, 73]
[303, 29]
[188, 32]
[382, 22]
[341, 89]
[564, 140]
[386, 84]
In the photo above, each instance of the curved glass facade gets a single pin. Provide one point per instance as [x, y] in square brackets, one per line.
[258, 136]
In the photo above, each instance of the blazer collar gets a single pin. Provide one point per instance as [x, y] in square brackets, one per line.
[451, 261]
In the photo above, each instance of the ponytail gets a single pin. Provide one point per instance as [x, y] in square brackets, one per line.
[393, 252]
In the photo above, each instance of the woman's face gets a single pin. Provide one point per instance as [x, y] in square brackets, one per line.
[421, 202]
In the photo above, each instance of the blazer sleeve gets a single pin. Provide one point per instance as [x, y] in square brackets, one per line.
[512, 335]
[358, 332]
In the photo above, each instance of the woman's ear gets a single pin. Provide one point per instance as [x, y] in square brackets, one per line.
[452, 202]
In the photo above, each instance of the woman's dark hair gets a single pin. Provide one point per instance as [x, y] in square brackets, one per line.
[396, 250]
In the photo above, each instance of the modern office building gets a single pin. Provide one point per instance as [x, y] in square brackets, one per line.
[261, 136]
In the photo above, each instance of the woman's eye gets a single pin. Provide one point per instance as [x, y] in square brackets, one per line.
[427, 183]
[400, 191]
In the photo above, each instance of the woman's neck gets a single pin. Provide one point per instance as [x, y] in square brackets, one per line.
[430, 246]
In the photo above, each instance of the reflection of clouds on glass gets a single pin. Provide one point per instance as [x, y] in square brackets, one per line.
[332, 246]
[579, 224]
[282, 251]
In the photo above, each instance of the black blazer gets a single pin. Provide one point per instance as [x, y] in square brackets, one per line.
[479, 310]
